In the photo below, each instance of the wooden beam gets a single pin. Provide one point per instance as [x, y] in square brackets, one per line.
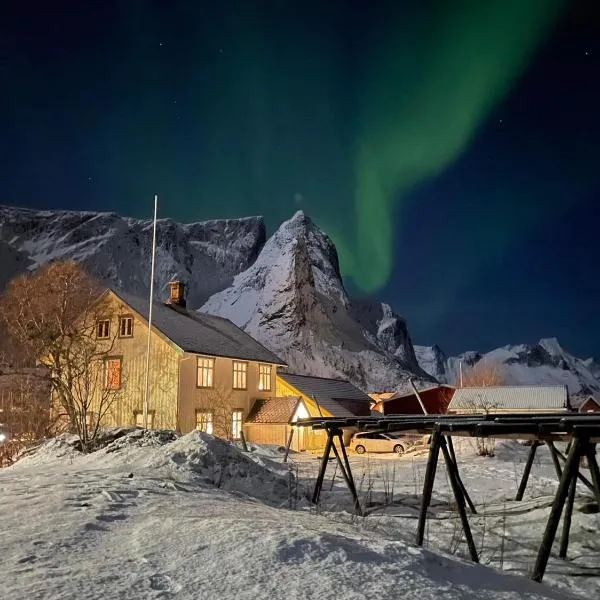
[581, 477]
[460, 500]
[564, 538]
[434, 451]
[323, 468]
[347, 474]
[289, 444]
[526, 472]
[555, 460]
[460, 481]
[569, 472]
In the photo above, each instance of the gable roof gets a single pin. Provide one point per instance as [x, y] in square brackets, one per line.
[339, 397]
[578, 402]
[200, 333]
[435, 399]
[518, 397]
[273, 410]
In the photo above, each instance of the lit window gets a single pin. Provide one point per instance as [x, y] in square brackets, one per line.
[206, 370]
[103, 329]
[237, 417]
[240, 373]
[90, 420]
[139, 418]
[264, 378]
[204, 421]
[125, 326]
[112, 373]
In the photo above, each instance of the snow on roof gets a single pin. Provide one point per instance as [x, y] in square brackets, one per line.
[201, 333]
[524, 397]
[331, 394]
[578, 401]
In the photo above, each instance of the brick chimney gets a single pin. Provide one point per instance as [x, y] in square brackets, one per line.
[177, 293]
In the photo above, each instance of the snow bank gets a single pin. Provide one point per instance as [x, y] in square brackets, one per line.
[201, 458]
[196, 458]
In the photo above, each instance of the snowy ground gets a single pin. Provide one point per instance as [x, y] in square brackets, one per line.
[507, 533]
[195, 518]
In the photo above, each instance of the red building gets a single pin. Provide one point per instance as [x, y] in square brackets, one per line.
[435, 399]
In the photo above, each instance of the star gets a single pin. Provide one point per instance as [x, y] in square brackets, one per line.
[587, 52]
[161, 43]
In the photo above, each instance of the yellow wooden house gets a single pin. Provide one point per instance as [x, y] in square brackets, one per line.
[205, 372]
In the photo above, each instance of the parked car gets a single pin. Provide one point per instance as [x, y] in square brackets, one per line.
[379, 441]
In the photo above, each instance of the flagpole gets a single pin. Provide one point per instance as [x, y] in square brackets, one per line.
[147, 393]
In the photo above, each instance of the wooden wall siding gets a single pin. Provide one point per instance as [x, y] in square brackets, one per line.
[304, 438]
[221, 398]
[163, 384]
[264, 433]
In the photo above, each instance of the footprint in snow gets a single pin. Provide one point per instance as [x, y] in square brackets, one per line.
[163, 583]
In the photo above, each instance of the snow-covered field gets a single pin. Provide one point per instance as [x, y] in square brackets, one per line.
[152, 516]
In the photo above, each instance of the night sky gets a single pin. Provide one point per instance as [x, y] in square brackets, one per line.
[451, 148]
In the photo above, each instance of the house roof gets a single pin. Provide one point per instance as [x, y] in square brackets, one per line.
[200, 333]
[435, 399]
[523, 397]
[578, 401]
[273, 410]
[338, 397]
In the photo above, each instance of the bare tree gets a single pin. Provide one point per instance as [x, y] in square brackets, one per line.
[24, 412]
[218, 401]
[53, 317]
[483, 374]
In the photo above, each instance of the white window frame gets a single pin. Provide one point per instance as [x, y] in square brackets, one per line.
[205, 372]
[122, 320]
[265, 376]
[138, 418]
[237, 423]
[240, 373]
[205, 424]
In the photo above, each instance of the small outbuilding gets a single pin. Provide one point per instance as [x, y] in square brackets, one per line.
[435, 399]
[586, 403]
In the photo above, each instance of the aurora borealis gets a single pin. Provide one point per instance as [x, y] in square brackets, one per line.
[437, 142]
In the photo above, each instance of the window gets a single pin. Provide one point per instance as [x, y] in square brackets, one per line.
[112, 373]
[103, 329]
[206, 371]
[237, 416]
[90, 420]
[138, 416]
[204, 421]
[125, 326]
[240, 374]
[264, 378]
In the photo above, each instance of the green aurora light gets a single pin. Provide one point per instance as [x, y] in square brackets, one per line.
[426, 95]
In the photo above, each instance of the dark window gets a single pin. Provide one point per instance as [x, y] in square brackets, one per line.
[125, 326]
[103, 329]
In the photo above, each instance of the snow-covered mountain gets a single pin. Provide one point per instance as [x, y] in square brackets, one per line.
[117, 250]
[293, 300]
[288, 292]
[544, 363]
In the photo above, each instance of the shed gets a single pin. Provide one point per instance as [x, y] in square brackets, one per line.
[435, 400]
[586, 403]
